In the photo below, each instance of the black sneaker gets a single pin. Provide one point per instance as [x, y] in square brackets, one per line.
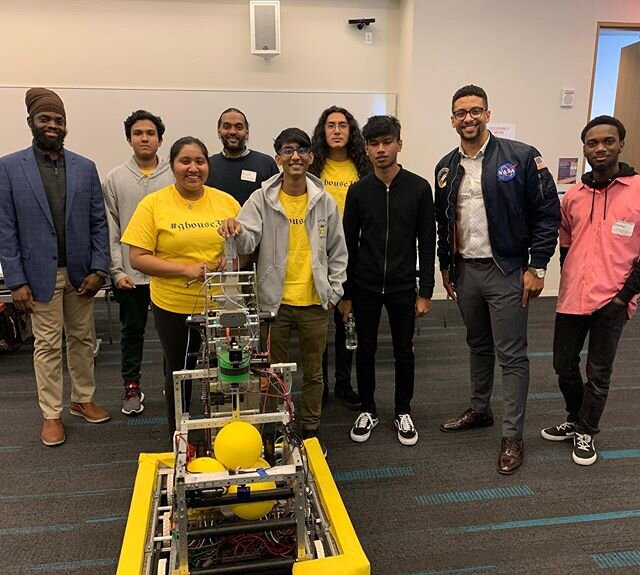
[584, 449]
[348, 397]
[560, 432]
[407, 434]
[361, 430]
[132, 399]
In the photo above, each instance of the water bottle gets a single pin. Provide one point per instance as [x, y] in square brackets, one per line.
[351, 340]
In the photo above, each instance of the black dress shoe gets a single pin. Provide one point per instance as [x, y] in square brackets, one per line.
[468, 420]
[511, 455]
[349, 397]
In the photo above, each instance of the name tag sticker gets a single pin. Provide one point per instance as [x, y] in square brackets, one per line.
[621, 228]
[248, 176]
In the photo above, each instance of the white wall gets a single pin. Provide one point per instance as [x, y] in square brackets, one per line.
[194, 44]
[521, 52]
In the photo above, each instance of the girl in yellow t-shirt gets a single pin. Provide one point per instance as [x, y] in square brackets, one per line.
[173, 238]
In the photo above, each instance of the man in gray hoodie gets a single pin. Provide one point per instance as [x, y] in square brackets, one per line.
[302, 261]
[144, 173]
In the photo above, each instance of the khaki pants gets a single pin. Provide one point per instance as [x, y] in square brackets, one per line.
[311, 323]
[74, 313]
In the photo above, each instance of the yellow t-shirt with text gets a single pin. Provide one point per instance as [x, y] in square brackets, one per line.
[299, 287]
[337, 177]
[177, 230]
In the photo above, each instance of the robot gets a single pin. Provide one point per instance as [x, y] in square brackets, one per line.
[259, 499]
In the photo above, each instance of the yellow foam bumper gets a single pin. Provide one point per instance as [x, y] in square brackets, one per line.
[350, 561]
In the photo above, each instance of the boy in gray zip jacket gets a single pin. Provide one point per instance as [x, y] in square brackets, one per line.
[145, 172]
[301, 264]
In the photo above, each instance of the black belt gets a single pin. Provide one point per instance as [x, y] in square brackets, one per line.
[478, 260]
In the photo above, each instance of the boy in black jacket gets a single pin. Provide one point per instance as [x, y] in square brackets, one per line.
[385, 214]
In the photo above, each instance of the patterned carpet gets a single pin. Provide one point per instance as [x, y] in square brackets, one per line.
[439, 507]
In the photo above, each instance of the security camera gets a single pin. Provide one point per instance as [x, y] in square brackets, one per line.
[360, 23]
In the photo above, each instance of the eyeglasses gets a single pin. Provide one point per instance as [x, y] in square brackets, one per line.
[342, 126]
[475, 113]
[288, 151]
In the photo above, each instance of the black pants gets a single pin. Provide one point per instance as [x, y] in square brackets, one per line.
[134, 304]
[343, 359]
[180, 345]
[400, 306]
[585, 402]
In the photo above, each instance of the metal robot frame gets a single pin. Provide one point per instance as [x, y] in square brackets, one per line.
[237, 384]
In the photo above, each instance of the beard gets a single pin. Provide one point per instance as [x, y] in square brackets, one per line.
[604, 167]
[238, 146]
[470, 138]
[48, 144]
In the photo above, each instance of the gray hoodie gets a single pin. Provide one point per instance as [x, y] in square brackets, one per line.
[123, 189]
[264, 222]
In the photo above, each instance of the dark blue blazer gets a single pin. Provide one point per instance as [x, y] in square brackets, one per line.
[28, 242]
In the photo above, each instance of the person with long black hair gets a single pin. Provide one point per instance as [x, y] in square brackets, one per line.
[339, 160]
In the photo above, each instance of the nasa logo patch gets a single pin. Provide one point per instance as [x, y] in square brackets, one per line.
[506, 172]
[442, 177]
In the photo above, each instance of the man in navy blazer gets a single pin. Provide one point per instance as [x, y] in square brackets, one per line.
[54, 251]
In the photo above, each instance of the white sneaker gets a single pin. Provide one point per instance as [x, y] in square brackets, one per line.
[407, 434]
[361, 430]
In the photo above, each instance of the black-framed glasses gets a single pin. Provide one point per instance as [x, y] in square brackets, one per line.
[475, 113]
[288, 151]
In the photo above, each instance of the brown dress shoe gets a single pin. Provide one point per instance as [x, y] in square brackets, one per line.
[468, 420]
[52, 432]
[89, 411]
[511, 455]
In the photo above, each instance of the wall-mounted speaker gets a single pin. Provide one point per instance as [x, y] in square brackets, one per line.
[265, 27]
[567, 98]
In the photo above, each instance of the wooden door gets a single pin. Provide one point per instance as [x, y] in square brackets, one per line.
[627, 107]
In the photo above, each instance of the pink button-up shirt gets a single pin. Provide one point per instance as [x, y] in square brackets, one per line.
[603, 247]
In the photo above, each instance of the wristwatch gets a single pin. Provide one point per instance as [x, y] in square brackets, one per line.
[538, 272]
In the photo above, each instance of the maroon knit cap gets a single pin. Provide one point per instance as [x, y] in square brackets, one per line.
[43, 100]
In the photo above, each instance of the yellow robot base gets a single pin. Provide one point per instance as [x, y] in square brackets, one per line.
[351, 559]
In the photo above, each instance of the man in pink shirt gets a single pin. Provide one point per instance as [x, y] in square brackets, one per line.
[600, 281]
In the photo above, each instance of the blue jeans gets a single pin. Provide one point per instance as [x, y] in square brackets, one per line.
[585, 402]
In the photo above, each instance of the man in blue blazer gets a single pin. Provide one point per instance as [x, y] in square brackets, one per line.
[54, 251]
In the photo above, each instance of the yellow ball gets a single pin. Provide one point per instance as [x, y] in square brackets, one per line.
[254, 510]
[260, 463]
[205, 465]
[238, 444]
